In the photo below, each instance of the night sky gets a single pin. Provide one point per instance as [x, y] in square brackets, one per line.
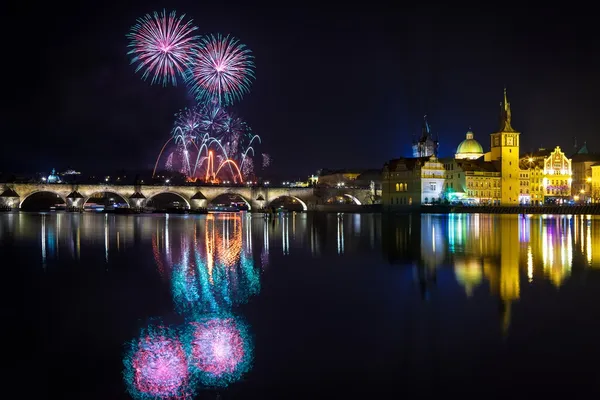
[336, 87]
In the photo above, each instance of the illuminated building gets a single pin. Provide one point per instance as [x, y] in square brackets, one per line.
[596, 182]
[469, 148]
[557, 177]
[532, 175]
[425, 146]
[581, 164]
[53, 177]
[524, 186]
[505, 152]
[472, 181]
[412, 181]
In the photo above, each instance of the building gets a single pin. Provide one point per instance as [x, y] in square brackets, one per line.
[469, 149]
[525, 187]
[472, 181]
[596, 183]
[426, 145]
[557, 177]
[505, 152]
[412, 181]
[333, 178]
[581, 164]
[532, 168]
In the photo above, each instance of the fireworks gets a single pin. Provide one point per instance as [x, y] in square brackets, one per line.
[221, 68]
[157, 366]
[266, 160]
[162, 46]
[211, 143]
[219, 350]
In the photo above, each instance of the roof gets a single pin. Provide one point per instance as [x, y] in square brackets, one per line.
[409, 163]
[582, 150]
[585, 157]
[469, 145]
[477, 165]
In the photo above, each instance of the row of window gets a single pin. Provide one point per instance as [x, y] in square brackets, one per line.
[401, 187]
[401, 200]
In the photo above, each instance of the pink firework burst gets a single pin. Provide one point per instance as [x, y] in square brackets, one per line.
[161, 46]
[160, 366]
[217, 346]
[221, 68]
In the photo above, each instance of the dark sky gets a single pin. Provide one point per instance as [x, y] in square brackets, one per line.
[337, 86]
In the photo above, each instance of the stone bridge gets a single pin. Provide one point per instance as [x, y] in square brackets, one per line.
[76, 195]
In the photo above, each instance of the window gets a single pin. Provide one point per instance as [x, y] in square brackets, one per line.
[397, 187]
[432, 186]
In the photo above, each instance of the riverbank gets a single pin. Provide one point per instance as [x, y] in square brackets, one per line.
[561, 210]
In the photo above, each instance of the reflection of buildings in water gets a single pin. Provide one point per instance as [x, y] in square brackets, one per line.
[340, 233]
[550, 246]
[505, 281]
[468, 272]
[586, 232]
[401, 238]
[433, 245]
[473, 234]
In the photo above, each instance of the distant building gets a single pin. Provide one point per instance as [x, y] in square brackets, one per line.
[362, 178]
[53, 177]
[425, 145]
[333, 178]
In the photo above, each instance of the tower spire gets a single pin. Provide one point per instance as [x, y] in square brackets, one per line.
[505, 115]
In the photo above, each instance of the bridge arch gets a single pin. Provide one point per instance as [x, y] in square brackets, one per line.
[181, 196]
[87, 198]
[283, 196]
[353, 198]
[63, 197]
[232, 194]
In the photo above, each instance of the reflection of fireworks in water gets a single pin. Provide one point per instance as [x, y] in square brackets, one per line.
[156, 366]
[219, 272]
[219, 350]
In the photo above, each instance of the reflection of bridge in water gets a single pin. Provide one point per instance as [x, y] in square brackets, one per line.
[256, 197]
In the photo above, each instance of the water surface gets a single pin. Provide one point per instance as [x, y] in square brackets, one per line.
[237, 306]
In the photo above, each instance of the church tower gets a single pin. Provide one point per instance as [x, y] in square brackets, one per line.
[505, 151]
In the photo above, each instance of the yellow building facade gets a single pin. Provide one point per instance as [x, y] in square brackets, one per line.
[472, 182]
[596, 183]
[505, 151]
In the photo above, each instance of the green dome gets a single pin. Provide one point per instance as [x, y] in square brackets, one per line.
[469, 146]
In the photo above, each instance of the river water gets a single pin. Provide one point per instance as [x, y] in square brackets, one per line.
[100, 306]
